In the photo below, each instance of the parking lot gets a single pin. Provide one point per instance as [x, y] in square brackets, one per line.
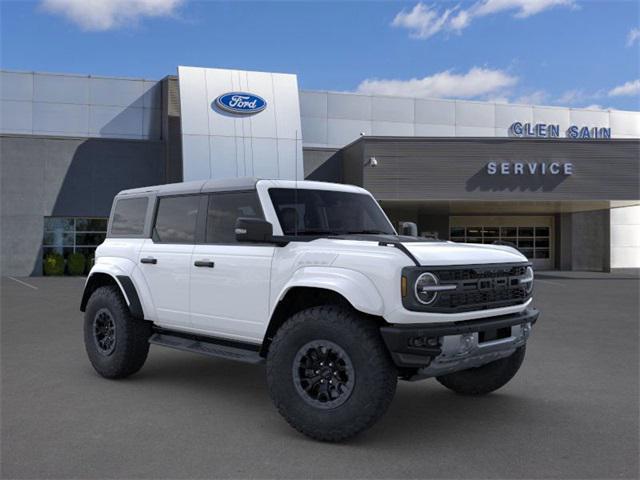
[571, 412]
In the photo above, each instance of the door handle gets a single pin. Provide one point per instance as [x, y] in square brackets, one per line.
[204, 263]
[151, 260]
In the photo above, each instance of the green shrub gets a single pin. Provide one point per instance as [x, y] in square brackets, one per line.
[90, 262]
[53, 264]
[75, 263]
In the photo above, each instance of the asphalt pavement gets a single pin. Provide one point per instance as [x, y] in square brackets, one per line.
[571, 412]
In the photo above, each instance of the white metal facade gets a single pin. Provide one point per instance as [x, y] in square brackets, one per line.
[216, 144]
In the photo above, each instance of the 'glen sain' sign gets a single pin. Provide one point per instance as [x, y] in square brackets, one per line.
[544, 130]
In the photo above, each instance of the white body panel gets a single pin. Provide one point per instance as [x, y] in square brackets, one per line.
[237, 297]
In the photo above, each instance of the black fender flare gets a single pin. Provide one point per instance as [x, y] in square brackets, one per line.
[123, 282]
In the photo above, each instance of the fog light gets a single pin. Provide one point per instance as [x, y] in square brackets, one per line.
[466, 343]
[525, 330]
[421, 342]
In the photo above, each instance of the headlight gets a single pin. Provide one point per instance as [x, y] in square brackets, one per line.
[527, 280]
[426, 288]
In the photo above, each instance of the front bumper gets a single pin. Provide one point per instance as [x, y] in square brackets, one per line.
[438, 349]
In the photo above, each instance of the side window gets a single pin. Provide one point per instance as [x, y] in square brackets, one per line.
[128, 217]
[176, 219]
[224, 210]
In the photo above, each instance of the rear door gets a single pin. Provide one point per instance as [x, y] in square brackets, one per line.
[230, 280]
[165, 258]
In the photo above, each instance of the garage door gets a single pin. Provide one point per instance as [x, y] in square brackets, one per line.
[532, 235]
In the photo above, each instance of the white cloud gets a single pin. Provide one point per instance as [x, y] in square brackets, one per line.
[631, 87]
[423, 21]
[633, 36]
[595, 106]
[538, 97]
[475, 83]
[100, 15]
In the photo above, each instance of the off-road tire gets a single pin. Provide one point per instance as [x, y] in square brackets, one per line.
[375, 375]
[131, 335]
[484, 379]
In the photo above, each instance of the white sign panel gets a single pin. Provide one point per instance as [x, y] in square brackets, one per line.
[237, 123]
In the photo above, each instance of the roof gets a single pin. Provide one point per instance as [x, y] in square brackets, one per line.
[230, 184]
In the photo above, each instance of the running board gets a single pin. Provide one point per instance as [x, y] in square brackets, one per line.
[207, 346]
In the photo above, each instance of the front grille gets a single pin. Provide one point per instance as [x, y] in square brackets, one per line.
[477, 288]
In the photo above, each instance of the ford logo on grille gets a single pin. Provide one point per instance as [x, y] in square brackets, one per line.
[240, 103]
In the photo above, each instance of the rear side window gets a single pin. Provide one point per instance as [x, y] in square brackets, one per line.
[176, 219]
[224, 210]
[128, 217]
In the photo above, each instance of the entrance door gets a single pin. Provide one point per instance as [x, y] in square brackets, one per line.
[533, 235]
[230, 281]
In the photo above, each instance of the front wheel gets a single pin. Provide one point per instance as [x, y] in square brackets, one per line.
[329, 373]
[484, 379]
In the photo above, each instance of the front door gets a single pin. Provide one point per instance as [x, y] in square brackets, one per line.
[165, 259]
[230, 281]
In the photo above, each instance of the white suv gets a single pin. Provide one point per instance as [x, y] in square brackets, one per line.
[311, 279]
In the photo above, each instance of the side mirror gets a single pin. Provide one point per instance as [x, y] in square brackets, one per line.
[408, 228]
[253, 230]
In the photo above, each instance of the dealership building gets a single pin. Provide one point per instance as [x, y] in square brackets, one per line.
[563, 184]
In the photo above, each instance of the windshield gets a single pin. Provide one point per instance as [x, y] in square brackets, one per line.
[326, 212]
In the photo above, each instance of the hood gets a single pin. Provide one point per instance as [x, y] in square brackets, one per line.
[449, 253]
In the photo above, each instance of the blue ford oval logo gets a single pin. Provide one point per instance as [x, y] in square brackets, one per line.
[241, 103]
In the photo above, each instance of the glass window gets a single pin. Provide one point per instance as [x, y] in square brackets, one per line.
[542, 231]
[508, 231]
[224, 209]
[525, 231]
[128, 217]
[457, 232]
[318, 212]
[176, 219]
[66, 235]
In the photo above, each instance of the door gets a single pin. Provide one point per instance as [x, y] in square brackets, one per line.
[165, 259]
[533, 235]
[229, 280]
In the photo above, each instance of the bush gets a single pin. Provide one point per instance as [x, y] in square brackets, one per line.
[75, 263]
[90, 262]
[53, 264]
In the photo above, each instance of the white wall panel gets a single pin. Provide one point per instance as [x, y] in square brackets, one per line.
[506, 115]
[116, 92]
[196, 147]
[435, 112]
[389, 109]
[16, 117]
[349, 106]
[624, 123]
[470, 114]
[592, 118]
[313, 104]
[234, 146]
[425, 130]
[194, 102]
[392, 129]
[554, 116]
[60, 89]
[462, 131]
[342, 132]
[625, 237]
[314, 130]
[107, 121]
[61, 118]
[16, 86]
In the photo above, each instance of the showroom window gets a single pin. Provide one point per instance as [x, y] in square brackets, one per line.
[533, 242]
[65, 235]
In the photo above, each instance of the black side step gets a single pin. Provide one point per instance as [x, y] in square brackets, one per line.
[207, 346]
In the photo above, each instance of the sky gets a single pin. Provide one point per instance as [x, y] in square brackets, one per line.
[547, 52]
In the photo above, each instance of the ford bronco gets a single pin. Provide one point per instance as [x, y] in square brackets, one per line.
[312, 280]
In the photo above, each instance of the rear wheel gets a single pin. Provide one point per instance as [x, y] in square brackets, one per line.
[484, 379]
[329, 373]
[116, 343]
